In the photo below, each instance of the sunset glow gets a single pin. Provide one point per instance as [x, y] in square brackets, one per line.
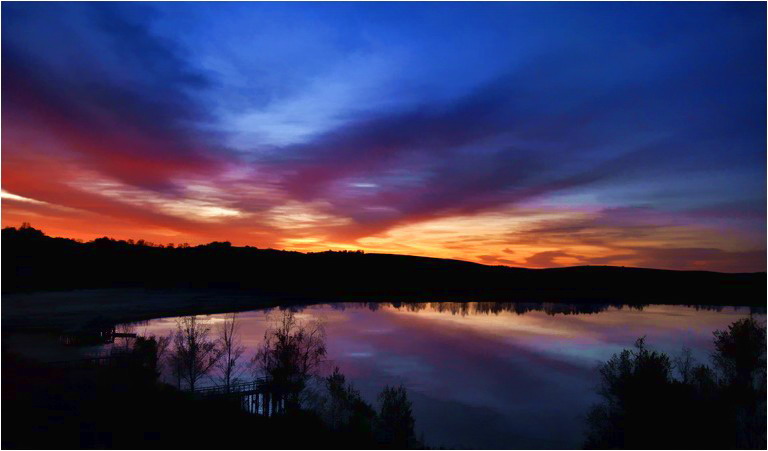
[533, 135]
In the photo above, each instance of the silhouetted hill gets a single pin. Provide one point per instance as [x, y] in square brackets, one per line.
[33, 261]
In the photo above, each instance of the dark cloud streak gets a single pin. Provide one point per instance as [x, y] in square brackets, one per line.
[113, 93]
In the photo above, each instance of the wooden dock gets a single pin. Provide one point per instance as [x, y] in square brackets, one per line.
[255, 397]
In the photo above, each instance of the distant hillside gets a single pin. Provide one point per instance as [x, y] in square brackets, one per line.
[32, 261]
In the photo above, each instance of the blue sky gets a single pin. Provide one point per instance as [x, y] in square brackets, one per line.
[531, 134]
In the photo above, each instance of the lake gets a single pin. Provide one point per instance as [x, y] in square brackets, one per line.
[486, 374]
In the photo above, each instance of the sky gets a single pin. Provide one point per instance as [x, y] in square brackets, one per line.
[521, 134]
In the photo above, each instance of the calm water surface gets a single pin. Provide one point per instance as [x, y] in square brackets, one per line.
[489, 375]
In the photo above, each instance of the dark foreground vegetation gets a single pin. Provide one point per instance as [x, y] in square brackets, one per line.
[653, 401]
[33, 261]
[121, 402]
[649, 399]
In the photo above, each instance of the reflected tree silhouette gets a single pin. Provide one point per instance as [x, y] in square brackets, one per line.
[519, 308]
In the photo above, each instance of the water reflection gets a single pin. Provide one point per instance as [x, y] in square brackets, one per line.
[520, 308]
[485, 374]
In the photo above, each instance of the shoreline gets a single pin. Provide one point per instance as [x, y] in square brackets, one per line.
[60, 311]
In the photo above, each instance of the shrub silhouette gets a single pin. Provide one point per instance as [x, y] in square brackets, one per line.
[289, 356]
[645, 406]
[740, 354]
[344, 411]
[395, 422]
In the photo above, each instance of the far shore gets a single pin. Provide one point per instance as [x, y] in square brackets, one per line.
[60, 285]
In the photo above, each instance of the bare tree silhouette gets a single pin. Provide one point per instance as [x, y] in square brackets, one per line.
[195, 353]
[685, 365]
[229, 365]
